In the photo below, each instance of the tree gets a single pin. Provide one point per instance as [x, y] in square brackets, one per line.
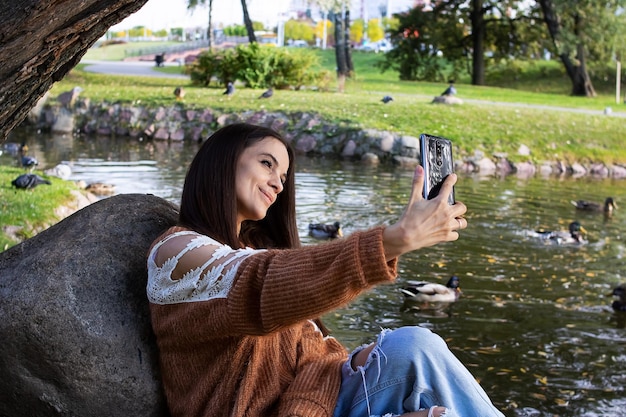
[589, 29]
[192, 4]
[343, 55]
[248, 22]
[295, 29]
[375, 31]
[43, 50]
[453, 31]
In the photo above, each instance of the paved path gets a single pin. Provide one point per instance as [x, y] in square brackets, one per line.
[140, 68]
[147, 68]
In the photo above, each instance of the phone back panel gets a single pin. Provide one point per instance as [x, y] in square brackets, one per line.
[436, 158]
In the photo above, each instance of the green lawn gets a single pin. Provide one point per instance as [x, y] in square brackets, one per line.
[29, 210]
[481, 123]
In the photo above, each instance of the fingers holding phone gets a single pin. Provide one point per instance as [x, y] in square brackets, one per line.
[436, 159]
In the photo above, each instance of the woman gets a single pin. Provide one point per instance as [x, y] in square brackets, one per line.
[234, 297]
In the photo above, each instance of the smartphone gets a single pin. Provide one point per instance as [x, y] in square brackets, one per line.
[436, 158]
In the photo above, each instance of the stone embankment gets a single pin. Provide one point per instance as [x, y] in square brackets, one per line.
[308, 132]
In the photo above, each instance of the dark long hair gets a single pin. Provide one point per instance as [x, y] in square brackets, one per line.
[209, 200]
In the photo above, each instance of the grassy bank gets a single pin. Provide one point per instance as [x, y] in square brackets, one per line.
[26, 212]
[482, 123]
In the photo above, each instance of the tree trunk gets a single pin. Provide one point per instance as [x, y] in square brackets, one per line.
[478, 39]
[247, 22]
[210, 27]
[340, 53]
[45, 40]
[578, 75]
[348, 46]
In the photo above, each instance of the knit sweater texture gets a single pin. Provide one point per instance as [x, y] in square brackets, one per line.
[250, 348]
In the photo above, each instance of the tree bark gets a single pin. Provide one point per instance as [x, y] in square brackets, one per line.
[348, 47]
[340, 53]
[210, 27]
[247, 22]
[41, 41]
[578, 75]
[478, 38]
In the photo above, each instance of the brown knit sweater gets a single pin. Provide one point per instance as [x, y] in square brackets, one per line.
[249, 348]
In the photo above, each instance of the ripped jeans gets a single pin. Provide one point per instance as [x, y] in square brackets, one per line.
[410, 369]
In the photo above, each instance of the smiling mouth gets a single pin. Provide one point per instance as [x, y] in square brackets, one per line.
[268, 197]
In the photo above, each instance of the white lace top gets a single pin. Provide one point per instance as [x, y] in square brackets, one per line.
[211, 280]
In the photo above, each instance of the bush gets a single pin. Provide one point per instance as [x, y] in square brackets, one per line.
[258, 66]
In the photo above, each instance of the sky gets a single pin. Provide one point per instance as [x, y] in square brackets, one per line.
[164, 14]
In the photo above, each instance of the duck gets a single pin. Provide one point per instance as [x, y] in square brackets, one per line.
[28, 181]
[606, 208]
[619, 291]
[100, 188]
[422, 291]
[179, 93]
[575, 235]
[325, 231]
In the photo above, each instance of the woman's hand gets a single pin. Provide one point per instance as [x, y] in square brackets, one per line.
[425, 222]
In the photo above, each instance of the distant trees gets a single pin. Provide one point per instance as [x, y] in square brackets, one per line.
[460, 35]
[590, 31]
[192, 4]
[295, 29]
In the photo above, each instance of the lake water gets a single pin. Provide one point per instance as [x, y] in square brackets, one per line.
[534, 322]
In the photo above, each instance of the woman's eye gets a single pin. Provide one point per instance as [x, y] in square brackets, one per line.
[267, 163]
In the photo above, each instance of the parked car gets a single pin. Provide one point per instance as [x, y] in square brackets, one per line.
[381, 46]
[299, 43]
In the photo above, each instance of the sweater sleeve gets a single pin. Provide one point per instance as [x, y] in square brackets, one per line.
[278, 288]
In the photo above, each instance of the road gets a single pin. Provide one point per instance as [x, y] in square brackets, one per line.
[147, 68]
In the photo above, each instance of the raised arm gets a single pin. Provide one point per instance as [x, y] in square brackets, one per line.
[425, 222]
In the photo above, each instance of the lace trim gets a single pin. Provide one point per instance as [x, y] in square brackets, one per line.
[211, 280]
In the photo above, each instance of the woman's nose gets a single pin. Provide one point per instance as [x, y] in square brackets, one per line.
[276, 183]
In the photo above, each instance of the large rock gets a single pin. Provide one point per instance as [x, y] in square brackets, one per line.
[74, 318]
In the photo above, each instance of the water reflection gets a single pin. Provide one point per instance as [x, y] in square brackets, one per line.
[534, 323]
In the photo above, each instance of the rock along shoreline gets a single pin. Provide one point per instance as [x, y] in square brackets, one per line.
[308, 132]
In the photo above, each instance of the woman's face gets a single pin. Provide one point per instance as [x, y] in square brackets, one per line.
[261, 172]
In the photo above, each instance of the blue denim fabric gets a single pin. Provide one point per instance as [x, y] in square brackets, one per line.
[411, 368]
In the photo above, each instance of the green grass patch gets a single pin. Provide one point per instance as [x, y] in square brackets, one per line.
[481, 123]
[26, 212]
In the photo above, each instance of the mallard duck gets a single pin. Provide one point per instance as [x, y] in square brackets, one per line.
[28, 181]
[607, 208]
[575, 235]
[619, 291]
[179, 93]
[325, 231]
[100, 188]
[422, 291]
